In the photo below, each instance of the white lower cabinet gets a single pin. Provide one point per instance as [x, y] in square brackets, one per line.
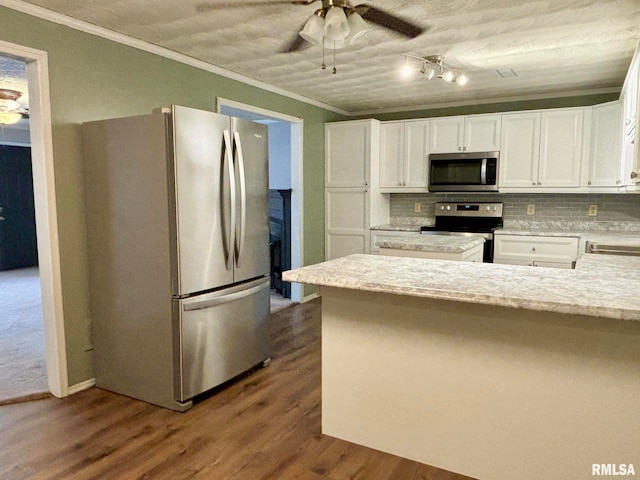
[346, 221]
[535, 250]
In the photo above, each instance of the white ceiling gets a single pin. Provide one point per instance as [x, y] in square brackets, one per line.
[557, 48]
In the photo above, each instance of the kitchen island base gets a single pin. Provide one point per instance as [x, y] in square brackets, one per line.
[488, 391]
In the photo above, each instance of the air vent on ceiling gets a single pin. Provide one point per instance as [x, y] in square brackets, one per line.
[506, 72]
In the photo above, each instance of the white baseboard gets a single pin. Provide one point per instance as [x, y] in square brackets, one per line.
[308, 298]
[78, 387]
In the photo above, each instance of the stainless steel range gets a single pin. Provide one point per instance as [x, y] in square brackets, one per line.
[469, 219]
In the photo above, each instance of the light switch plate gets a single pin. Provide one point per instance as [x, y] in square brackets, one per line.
[417, 207]
[593, 210]
[531, 209]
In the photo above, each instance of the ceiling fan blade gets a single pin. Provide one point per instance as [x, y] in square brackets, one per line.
[205, 7]
[296, 44]
[389, 21]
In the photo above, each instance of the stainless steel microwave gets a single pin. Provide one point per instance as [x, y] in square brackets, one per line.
[464, 172]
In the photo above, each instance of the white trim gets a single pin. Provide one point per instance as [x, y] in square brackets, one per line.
[310, 297]
[78, 387]
[86, 27]
[468, 103]
[297, 193]
[46, 214]
[15, 144]
[225, 102]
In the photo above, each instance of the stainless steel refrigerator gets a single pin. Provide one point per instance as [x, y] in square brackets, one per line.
[178, 241]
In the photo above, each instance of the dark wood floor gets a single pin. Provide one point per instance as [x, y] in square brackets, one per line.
[264, 426]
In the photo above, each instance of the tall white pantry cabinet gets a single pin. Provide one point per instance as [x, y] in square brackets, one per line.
[353, 202]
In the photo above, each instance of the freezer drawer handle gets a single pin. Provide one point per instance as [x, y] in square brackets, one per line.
[212, 302]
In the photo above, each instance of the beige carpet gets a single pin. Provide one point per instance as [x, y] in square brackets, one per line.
[22, 358]
[278, 302]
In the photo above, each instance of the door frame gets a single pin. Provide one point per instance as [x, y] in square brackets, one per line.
[46, 213]
[297, 194]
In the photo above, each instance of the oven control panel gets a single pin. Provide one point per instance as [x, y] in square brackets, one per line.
[474, 209]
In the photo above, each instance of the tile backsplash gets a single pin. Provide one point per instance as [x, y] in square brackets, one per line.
[548, 207]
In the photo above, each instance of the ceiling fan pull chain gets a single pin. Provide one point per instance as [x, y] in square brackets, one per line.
[324, 66]
[334, 71]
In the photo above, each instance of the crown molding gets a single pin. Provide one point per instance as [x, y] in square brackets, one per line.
[485, 101]
[107, 34]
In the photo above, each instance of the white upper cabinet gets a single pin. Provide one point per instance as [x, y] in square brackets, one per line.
[347, 152]
[604, 151]
[541, 150]
[473, 133]
[447, 134]
[391, 154]
[404, 151]
[482, 133]
[630, 175]
[561, 147]
[520, 150]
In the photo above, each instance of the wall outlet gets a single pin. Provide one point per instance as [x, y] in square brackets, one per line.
[593, 210]
[417, 207]
[531, 209]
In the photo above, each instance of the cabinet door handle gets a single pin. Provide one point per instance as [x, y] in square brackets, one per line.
[539, 183]
[589, 182]
[533, 183]
[533, 249]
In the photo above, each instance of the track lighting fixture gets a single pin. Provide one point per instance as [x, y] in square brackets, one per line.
[430, 66]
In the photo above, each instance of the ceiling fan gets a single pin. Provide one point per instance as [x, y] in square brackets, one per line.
[336, 24]
[10, 110]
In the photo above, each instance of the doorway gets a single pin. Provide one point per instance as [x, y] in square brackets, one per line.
[48, 281]
[23, 373]
[285, 193]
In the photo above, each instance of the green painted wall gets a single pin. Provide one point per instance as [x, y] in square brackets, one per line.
[561, 102]
[92, 78]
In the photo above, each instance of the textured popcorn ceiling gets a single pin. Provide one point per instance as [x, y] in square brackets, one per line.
[556, 47]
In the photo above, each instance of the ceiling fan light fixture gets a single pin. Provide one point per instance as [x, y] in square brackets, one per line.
[336, 44]
[336, 26]
[7, 105]
[8, 117]
[313, 30]
[357, 27]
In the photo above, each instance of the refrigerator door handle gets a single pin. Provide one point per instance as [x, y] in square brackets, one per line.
[216, 298]
[228, 158]
[243, 198]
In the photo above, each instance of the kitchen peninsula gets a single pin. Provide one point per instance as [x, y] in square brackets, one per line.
[492, 371]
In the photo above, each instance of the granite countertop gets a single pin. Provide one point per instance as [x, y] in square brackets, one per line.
[584, 291]
[432, 243]
[620, 266]
[405, 224]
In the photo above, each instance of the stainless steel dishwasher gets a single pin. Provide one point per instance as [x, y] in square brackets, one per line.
[613, 249]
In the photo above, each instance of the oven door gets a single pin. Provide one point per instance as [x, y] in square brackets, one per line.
[463, 172]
